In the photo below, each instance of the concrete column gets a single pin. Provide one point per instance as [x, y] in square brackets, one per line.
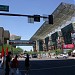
[37, 45]
[34, 47]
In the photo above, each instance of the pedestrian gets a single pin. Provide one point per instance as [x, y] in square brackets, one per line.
[7, 63]
[14, 65]
[2, 63]
[49, 55]
[2, 56]
[27, 65]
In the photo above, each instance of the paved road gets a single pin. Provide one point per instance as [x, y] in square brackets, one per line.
[50, 67]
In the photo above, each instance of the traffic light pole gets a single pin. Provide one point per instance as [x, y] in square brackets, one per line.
[36, 17]
[10, 14]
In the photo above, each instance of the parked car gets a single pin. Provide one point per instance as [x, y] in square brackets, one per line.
[62, 56]
[26, 56]
[34, 55]
[73, 53]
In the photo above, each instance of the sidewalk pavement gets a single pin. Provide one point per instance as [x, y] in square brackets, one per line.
[1, 71]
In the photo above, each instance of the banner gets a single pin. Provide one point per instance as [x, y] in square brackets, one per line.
[68, 46]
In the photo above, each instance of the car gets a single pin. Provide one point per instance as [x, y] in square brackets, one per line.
[26, 56]
[73, 53]
[62, 56]
[34, 55]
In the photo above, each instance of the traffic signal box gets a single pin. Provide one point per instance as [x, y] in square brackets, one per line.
[37, 18]
[50, 18]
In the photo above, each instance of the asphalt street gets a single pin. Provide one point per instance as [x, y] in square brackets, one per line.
[49, 67]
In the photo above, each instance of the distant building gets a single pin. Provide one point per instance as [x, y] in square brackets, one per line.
[15, 37]
[5, 35]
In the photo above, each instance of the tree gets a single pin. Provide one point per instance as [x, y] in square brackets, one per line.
[17, 50]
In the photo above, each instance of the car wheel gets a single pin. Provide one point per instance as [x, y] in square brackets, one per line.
[64, 57]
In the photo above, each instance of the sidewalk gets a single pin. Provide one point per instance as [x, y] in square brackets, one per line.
[1, 71]
[71, 57]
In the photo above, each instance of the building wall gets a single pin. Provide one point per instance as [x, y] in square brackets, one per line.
[6, 36]
[15, 37]
[1, 35]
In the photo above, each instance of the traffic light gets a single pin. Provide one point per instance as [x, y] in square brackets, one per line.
[50, 18]
[37, 18]
[30, 19]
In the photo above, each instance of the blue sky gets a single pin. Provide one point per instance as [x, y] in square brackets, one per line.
[19, 25]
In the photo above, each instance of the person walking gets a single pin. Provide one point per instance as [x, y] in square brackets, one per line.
[2, 56]
[27, 65]
[14, 65]
[7, 64]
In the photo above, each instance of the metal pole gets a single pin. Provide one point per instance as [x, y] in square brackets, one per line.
[10, 14]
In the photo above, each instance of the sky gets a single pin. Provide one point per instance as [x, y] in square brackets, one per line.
[19, 25]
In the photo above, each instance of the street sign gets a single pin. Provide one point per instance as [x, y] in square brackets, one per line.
[4, 8]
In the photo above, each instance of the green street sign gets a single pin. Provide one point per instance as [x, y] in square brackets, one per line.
[4, 8]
